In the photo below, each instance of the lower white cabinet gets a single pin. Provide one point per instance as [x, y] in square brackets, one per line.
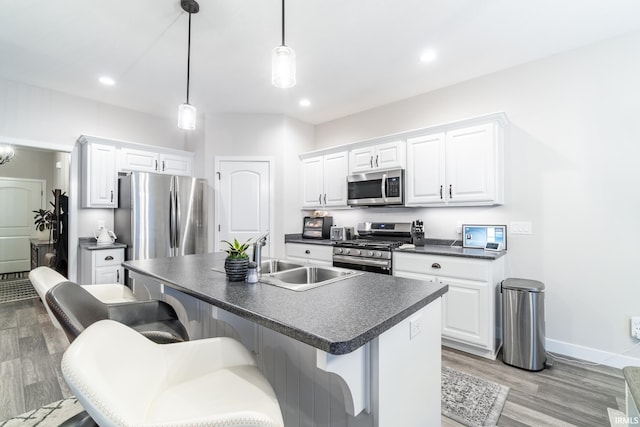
[309, 253]
[100, 266]
[471, 309]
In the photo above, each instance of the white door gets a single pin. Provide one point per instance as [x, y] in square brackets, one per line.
[425, 170]
[21, 197]
[243, 201]
[470, 164]
[335, 171]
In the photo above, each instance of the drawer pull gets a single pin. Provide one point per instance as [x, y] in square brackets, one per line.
[108, 258]
[436, 265]
[307, 252]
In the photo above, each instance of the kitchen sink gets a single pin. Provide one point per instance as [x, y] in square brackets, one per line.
[308, 277]
[277, 265]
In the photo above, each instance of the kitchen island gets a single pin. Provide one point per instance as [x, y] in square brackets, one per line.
[364, 351]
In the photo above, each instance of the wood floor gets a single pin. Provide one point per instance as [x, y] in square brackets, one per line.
[30, 352]
[567, 394]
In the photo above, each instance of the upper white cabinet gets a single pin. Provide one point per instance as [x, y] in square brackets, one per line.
[132, 159]
[462, 167]
[388, 155]
[324, 180]
[99, 175]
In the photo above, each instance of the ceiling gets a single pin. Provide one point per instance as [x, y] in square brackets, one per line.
[352, 55]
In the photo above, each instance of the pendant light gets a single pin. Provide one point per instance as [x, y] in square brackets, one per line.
[6, 154]
[283, 63]
[186, 111]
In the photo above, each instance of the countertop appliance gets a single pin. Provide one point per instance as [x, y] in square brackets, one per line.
[378, 188]
[318, 227]
[161, 215]
[372, 251]
[341, 233]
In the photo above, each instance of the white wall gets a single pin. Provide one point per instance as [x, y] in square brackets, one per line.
[571, 169]
[252, 135]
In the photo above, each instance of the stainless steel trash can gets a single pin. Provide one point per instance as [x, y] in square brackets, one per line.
[523, 327]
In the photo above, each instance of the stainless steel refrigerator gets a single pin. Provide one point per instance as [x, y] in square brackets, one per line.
[161, 215]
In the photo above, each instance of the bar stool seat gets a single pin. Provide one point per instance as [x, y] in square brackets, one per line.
[123, 379]
[45, 278]
[76, 309]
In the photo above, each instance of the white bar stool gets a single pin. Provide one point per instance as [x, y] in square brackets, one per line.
[123, 379]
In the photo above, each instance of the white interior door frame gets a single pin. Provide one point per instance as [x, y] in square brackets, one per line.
[217, 160]
[74, 179]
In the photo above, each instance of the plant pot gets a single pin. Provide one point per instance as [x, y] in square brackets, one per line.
[236, 269]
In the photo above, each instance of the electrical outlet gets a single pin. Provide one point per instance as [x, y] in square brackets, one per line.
[415, 326]
[635, 327]
[100, 224]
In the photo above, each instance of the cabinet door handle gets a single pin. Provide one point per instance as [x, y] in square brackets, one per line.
[111, 196]
[163, 166]
[325, 198]
[307, 252]
[436, 265]
[108, 258]
[371, 161]
[156, 166]
[441, 192]
[450, 192]
[319, 199]
[376, 160]
[118, 276]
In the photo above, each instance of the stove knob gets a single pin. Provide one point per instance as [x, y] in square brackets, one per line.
[338, 250]
[356, 252]
[370, 253]
[379, 254]
[347, 251]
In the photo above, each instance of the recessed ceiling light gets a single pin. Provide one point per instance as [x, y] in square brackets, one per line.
[107, 81]
[428, 55]
[305, 102]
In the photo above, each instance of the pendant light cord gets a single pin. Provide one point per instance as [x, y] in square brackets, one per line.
[283, 23]
[189, 57]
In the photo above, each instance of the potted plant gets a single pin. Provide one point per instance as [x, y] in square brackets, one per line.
[237, 261]
[43, 220]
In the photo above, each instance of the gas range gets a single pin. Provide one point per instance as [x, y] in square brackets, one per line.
[372, 252]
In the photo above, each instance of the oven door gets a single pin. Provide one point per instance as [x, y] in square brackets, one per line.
[371, 265]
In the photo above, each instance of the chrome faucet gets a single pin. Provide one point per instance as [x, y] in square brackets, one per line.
[257, 250]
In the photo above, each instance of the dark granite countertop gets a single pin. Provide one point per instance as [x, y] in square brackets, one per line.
[458, 251]
[632, 378]
[433, 247]
[91, 244]
[336, 318]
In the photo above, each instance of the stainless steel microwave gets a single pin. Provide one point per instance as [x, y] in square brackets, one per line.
[379, 188]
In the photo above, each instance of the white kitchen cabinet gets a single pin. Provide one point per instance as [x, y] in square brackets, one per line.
[461, 167]
[132, 159]
[309, 253]
[99, 175]
[387, 155]
[100, 266]
[324, 180]
[471, 314]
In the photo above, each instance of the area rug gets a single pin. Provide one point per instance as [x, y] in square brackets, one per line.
[16, 290]
[470, 400]
[52, 414]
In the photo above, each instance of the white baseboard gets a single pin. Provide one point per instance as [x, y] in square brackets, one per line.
[590, 354]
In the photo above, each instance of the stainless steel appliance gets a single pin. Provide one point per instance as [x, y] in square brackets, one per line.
[161, 215]
[372, 251]
[317, 227]
[341, 233]
[376, 188]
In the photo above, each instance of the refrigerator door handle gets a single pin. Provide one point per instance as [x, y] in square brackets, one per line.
[178, 217]
[172, 222]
